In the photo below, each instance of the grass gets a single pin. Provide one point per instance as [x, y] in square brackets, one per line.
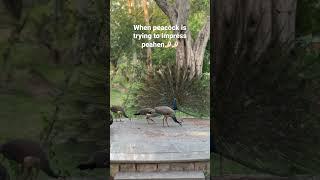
[228, 167]
[21, 116]
[116, 97]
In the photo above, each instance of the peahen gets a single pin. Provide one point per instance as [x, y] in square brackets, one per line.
[118, 110]
[148, 112]
[166, 112]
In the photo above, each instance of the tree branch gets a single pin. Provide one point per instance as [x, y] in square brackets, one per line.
[203, 36]
[168, 9]
[200, 44]
[182, 7]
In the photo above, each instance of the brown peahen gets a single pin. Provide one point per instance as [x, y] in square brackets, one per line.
[148, 112]
[119, 111]
[166, 112]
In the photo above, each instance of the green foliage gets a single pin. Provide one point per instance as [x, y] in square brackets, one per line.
[89, 99]
[126, 75]
[122, 29]
[308, 17]
[14, 7]
[54, 63]
[266, 110]
[198, 16]
[163, 56]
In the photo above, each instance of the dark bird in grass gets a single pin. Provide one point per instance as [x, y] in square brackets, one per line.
[166, 112]
[119, 111]
[148, 112]
[98, 159]
[27, 152]
[4, 175]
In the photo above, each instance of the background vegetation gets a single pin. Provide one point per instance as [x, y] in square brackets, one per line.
[266, 86]
[52, 83]
[130, 80]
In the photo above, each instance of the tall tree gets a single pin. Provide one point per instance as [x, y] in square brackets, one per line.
[189, 52]
[131, 5]
[146, 19]
[260, 21]
[265, 115]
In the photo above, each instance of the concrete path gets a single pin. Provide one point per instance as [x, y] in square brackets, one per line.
[83, 178]
[138, 141]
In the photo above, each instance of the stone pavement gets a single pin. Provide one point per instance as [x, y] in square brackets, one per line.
[174, 175]
[82, 178]
[137, 141]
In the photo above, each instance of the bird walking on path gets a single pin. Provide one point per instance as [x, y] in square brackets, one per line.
[29, 154]
[166, 112]
[119, 111]
[148, 112]
[98, 159]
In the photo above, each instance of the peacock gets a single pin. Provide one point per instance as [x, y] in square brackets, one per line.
[166, 112]
[169, 85]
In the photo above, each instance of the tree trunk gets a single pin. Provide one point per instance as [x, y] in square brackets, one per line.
[259, 22]
[244, 31]
[189, 52]
[146, 19]
[130, 4]
[284, 17]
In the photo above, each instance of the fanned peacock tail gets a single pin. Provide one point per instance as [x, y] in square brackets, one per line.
[165, 83]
